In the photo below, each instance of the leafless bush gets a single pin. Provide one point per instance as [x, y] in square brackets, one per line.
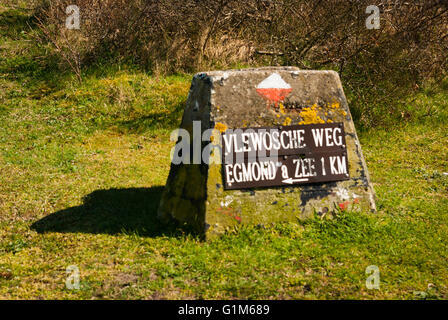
[185, 35]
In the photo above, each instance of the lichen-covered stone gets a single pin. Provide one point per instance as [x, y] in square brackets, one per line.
[194, 193]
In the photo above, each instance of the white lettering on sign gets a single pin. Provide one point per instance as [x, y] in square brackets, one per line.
[245, 138]
[252, 171]
[265, 157]
[304, 168]
[337, 137]
[324, 173]
[228, 142]
[264, 140]
[337, 165]
[331, 136]
[318, 137]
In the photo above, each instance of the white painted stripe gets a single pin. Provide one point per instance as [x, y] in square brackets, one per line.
[274, 81]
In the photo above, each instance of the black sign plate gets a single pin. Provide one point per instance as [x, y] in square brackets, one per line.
[283, 156]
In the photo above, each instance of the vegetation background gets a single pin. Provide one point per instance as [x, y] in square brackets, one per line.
[85, 117]
[378, 67]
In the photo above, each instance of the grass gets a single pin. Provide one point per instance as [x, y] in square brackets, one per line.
[83, 168]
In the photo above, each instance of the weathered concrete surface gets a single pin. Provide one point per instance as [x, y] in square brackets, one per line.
[194, 194]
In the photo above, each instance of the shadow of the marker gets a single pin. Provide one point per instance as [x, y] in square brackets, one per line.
[112, 211]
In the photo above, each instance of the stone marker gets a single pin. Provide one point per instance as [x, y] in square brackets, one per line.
[284, 147]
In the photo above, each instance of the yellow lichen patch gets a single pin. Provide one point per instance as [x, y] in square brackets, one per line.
[215, 137]
[310, 116]
[287, 121]
[335, 105]
[221, 127]
[282, 108]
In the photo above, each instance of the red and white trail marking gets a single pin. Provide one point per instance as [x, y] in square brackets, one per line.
[274, 89]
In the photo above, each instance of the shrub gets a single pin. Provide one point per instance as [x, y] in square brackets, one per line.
[380, 68]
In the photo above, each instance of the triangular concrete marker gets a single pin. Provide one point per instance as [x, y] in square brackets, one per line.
[201, 195]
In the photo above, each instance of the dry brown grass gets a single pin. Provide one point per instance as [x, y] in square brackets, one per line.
[378, 67]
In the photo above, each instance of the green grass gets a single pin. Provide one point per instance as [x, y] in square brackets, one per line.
[83, 167]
